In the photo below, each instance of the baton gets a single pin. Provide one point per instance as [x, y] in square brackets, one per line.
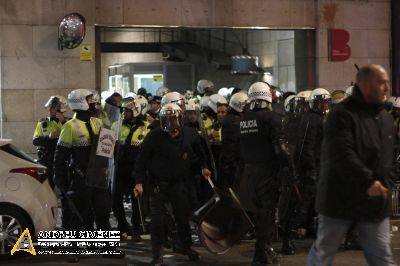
[211, 182]
[141, 214]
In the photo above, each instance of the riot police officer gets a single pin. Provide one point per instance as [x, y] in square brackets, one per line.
[289, 194]
[132, 133]
[263, 151]
[45, 139]
[47, 132]
[230, 134]
[77, 144]
[167, 154]
[307, 152]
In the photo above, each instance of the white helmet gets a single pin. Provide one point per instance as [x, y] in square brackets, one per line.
[96, 96]
[191, 105]
[338, 96]
[173, 97]
[215, 100]
[77, 99]
[130, 95]
[349, 91]
[131, 104]
[396, 102]
[142, 101]
[289, 103]
[260, 91]
[204, 102]
[238, 101]
[162, 91]
[57, 101]
[171, 118]
[304, 94]
[203, 84]
[320, 100]
[224, 92]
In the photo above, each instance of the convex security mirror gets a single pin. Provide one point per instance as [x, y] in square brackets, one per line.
[71, 31]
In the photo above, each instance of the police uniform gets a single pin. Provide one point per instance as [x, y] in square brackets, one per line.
[208, 122]
[131, 137]
[262, 152]
[168, 163]
[290, 125]
[289, 198]
[154, 124]
[45, 145]
[229, 159]
[307, 158]
[76, 142]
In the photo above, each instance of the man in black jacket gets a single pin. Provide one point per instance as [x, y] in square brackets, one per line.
[355, 169]
[167, 153]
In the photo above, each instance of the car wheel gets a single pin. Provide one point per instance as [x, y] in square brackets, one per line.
[12, 225]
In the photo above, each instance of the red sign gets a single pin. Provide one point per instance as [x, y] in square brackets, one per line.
[338, 47]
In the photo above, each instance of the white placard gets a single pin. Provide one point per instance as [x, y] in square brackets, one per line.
[106, 143]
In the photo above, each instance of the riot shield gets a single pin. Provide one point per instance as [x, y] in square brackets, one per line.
[224, 222]
[101, 166]
[113, 113]
[115, 117]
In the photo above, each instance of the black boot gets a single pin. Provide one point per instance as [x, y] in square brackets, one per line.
[262, 258]
[273, 256]
[288, 248]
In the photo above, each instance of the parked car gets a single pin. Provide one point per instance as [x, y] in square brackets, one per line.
[26, 198]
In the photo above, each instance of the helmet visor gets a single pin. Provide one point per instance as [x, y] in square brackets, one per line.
[171, 121]
[321, 103]
[300, 105]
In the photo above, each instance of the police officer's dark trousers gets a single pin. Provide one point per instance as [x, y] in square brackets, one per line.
[125, 186]
[176, 195]
[261, 183]
[89, 201]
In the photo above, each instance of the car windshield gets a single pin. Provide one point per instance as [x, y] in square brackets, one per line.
[11, 149]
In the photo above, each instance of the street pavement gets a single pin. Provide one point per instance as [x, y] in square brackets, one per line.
[139, 254]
